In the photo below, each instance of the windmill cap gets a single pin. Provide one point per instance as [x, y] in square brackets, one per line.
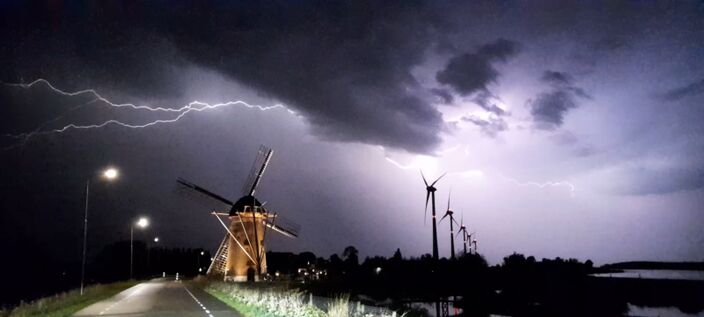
[245, 201]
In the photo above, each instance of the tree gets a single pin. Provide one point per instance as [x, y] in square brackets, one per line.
[351, 256]
[397, 255]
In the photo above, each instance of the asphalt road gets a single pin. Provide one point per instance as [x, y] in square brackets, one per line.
[160, 298]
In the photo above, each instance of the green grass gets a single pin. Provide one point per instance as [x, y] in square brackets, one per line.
[265, 300]
[241, 307]
[66, 304]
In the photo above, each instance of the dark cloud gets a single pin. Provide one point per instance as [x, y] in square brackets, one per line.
[472, 72]
[490, 127]
[484, 100]
[649, 181]
[692, 89]
[548, 108]
[556, 78]
[443, 94]
[345, 66]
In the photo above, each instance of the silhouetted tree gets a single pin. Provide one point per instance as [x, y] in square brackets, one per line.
[397, 255]
[351, 256]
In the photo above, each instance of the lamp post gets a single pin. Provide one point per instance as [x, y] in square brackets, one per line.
[199, 267]
[109, 174]
[142, 223]
[156, 239]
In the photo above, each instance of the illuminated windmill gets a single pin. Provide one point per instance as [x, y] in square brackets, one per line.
[431, 193]
[450, 213]
[242, 254]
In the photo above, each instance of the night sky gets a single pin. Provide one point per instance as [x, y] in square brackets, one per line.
[571, 130]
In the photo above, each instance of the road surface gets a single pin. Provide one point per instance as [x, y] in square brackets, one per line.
[160, 298]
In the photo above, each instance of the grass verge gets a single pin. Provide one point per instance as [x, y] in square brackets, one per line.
[262, 300]
[68, 303]
[241, 307]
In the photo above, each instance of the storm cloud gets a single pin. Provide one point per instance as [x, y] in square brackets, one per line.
[548, 109]
[678, 93]
[344, 66]
[472, 71]
[490, 127]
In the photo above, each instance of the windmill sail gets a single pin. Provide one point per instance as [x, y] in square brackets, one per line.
[283, 226]
[258, 167]
[219, 263]
[202, 195]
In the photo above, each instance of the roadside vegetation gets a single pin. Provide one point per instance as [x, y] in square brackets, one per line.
[280, 301]
[68, 303]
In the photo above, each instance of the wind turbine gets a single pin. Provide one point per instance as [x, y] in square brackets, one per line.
[431, 193]
[463, 231]
[450, 213]
[475, 245]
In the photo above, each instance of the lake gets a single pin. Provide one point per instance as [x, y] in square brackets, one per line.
[657, 274]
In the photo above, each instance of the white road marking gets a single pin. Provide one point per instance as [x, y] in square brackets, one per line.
[135, 292]
[199, 303]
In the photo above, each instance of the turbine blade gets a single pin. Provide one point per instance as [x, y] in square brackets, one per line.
[424, 180]
[425, 218]
[443, 217]
[448, 199]
[441, 176]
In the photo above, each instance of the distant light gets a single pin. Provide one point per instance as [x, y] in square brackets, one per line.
[156, 239]
[143, 222]
[111, 173]
[202, 253]
[200, 270]
[277, 273]
[377, 270]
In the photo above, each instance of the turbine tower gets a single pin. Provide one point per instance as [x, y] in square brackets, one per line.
[431, 193]
[450, 213]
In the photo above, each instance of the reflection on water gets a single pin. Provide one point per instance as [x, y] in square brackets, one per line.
[634, 310]
[658, 274]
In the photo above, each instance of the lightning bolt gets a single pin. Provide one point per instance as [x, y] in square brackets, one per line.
[544, 185]
[475, 173]
[194, 106]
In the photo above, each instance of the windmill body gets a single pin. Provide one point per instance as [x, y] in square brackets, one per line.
[247, 225]
[242, 252]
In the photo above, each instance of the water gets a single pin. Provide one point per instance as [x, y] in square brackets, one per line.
[658, 274]
[634, 310]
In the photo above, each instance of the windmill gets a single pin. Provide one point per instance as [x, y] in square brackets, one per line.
[241, 255]
[450, 213]
[431, 193]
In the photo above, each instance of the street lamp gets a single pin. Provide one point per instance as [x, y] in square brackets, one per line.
[109, 174]
[149, 247]
[142, 223]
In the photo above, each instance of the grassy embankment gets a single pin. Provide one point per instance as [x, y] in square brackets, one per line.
[262, 301]
[68, 303]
